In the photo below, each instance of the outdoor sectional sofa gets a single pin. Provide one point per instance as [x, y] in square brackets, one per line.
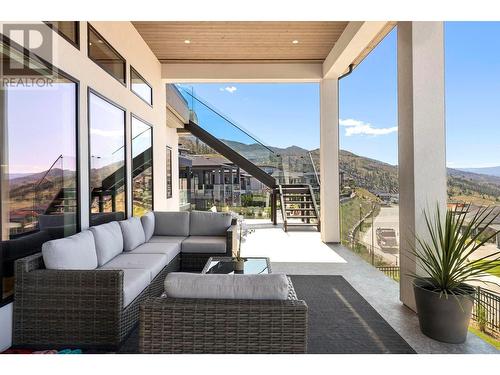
[85, 290]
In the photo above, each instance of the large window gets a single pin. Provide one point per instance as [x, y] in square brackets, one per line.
[140, 87]
[69, 30]
[142, 167]
[38, 158]
[107, 158]
[101, 52]
[472, 134]
[169, 172]
[368, 159]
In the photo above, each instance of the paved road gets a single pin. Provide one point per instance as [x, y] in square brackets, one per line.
[492, 280]
[387, 218]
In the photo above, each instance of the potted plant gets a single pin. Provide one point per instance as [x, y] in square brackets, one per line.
[239, 261]
[443, 297]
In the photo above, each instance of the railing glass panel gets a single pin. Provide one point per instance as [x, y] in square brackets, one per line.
[233, 135]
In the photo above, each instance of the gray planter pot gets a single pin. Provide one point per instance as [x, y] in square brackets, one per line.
[443, 319]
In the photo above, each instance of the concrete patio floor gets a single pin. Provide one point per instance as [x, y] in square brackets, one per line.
[303, 253]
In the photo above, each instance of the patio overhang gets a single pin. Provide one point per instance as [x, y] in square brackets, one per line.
[259, 51]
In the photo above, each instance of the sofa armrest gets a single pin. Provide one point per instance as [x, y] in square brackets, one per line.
[232, 238]
[43, 290]
[71, 289]
[185, 325]
[52, 305]
[32, 276]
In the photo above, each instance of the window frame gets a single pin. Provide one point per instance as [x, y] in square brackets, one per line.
[64, 36]
[90, 28]
[132, 116]
[78, 136]
[169, 167]
[91, 91]
[132, 69]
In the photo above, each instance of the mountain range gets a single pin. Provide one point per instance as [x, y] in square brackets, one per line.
[492, 171]
[380, 177]
[478, 184]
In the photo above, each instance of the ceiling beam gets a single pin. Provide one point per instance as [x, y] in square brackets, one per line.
[242, 72]
[356, 37]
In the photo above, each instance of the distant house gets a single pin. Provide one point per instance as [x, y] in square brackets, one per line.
[210, 180]
[493, 226]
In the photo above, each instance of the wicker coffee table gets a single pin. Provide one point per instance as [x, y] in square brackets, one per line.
[226, 265]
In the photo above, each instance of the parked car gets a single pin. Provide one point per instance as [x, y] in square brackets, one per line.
[386, 239]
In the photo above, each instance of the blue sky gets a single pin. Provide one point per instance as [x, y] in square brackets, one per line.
[288, 114]
[279, 115]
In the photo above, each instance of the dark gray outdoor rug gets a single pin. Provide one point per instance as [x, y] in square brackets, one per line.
[340, 320]
[343, 322]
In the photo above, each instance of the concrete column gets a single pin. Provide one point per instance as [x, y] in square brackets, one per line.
[232, 186]
[421, 139]
[223, 186]
[329, 161]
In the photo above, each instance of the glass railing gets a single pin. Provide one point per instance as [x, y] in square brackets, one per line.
[233, 135]
[183, 197]
[55, 194]
[300, 167]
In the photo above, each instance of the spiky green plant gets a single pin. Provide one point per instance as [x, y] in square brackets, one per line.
[445, 254]
[482, 318]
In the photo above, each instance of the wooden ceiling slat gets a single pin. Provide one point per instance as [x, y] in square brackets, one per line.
[226, 41]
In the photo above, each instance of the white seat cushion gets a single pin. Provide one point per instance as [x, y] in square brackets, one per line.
[217, 286]
[151, 262]
[148, 224]
[76, 252]
[167, 239]
[168, 248]
[133, 234]
[204, 244]
[134, 282]
[108, 241]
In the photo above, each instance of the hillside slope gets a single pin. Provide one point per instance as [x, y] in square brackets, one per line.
[370, 174]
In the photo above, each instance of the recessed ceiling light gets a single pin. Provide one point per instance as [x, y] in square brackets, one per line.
[295, 41]
[187, 41]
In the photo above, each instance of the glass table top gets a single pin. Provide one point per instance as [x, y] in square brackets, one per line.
[227, 265]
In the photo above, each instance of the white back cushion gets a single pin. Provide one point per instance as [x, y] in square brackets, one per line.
[148, 224]
[171, 223]
[76, 252]
[221, 286]
[133, 234]
[108, 241]
[203, 223]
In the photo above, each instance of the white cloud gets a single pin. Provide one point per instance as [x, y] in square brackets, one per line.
[357, 127]
[229, 89]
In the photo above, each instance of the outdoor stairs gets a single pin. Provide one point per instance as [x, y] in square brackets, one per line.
[298, 206]
[64, 201]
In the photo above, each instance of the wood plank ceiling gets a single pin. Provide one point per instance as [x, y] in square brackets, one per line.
[240, 41]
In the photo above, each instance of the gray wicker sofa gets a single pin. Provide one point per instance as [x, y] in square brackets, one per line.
[224, 314]
[85, 290]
